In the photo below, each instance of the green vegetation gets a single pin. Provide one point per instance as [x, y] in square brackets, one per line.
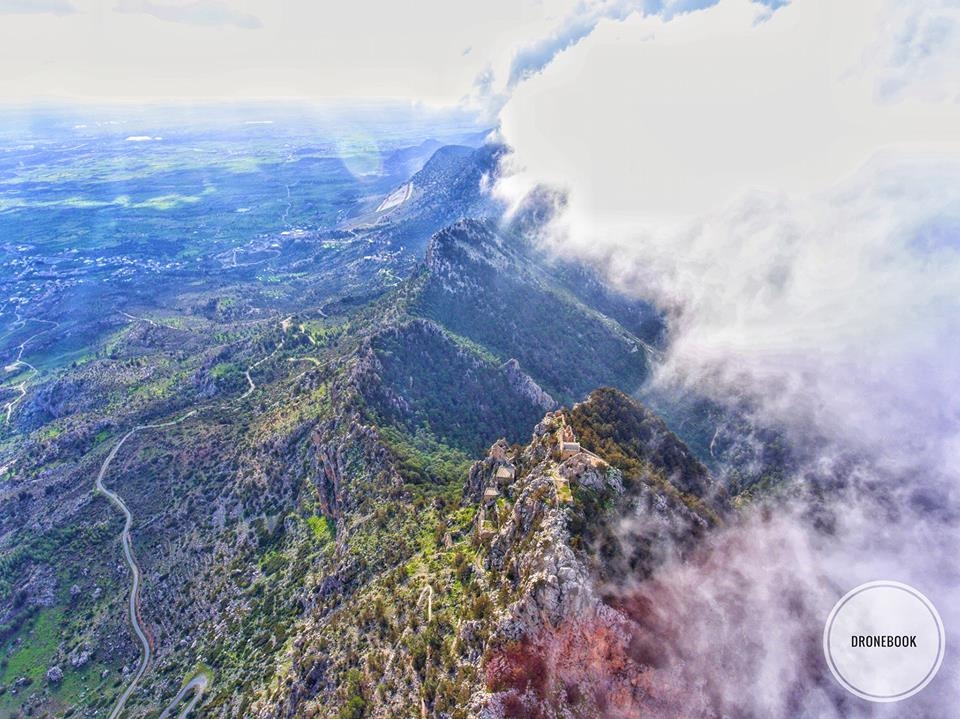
[324, 530]
[32, 657]
[567, 346]
[421, 459]
[311, 536]
[447, 392]
[222, 370]
[32, 548]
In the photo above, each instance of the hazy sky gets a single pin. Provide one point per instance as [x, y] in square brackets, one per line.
[427, 50]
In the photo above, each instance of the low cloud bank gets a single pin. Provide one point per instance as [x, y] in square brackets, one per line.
[785, 185]
[795, 213]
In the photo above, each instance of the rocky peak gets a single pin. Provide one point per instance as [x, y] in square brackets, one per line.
[465, 246]
[543, 540]
[495, 470]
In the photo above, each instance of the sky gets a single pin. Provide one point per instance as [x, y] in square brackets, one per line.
[430, 51]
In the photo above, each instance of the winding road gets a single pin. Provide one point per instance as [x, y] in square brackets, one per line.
[197, 685]
[133, 607]
[250, 382]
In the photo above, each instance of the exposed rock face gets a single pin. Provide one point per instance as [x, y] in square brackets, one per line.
[42, 586]
[525, 385]
[344, 464]
[54, 675]
[482, 473]
[80, 656]
[558, 649]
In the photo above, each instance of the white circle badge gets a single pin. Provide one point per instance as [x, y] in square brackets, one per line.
[884, 641]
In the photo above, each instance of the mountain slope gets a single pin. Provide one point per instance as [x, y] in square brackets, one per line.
[287, 530]
[499, 292]
[468, 625]
[450, 186]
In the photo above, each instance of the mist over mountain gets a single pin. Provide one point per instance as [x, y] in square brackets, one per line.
[586, 397]
[791, 221]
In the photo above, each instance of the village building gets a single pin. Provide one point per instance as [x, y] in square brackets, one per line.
[569, 446]
[505, 473]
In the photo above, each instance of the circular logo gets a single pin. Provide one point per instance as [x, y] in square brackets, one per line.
[884, 641]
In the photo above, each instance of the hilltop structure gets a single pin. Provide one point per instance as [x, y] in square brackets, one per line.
[570, 448]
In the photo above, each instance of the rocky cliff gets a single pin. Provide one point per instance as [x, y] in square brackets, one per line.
[502, 611]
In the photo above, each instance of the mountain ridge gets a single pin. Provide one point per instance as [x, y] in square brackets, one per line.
[330, 457]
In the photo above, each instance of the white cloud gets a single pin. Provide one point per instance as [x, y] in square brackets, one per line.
[786, 185]
[682, 114]
[365, 49]
[769, 179]
[533, 57]
[919, 51]
[741, 620]
[493, 87]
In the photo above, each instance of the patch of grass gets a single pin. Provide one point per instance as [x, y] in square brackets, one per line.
[323, 529]
[79, 685]
[223, 369]
[32, 658]
[51, 432]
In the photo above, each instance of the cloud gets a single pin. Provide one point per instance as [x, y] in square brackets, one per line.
[203, 13]
[37, 7]
[785, 184]
[578, 23]
[741, 620]
[532, 58]
[778, 203]
[491, 90]
[920, 52]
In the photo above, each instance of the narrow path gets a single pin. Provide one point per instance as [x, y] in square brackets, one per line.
[133, 607]
[197, 686]
[256, 364]
[713, 441]
[19, 362]
[22, 389]
[428, 592]
[134, 318]
[315, 361]
[285, 218]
